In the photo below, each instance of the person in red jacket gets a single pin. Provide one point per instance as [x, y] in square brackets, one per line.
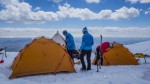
[101, 50]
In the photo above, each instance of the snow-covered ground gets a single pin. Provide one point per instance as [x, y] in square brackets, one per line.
[139, 74]
[142, 47]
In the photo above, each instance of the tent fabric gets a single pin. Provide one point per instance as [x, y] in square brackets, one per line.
[42, 55]
[119, 55]
[59, 39]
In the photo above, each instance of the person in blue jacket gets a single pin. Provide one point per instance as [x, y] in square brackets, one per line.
[86, 49]
[69, 43]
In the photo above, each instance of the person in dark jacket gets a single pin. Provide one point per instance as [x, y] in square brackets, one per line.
[86, 49]
[69, 43]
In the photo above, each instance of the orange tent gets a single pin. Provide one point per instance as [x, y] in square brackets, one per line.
[42, 55]
[118, 55]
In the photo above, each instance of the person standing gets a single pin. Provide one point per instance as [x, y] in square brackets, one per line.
[69, 43]
[86, 49]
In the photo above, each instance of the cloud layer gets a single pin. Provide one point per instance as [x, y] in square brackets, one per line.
[139, 1]
[95, 31]
[15, 11]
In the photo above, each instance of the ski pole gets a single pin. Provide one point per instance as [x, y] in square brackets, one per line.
[100, 52]
[5, 52]
[144, 59]
[97, 61]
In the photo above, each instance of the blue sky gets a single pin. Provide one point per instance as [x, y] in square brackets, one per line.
[139, 20]
[125, 18]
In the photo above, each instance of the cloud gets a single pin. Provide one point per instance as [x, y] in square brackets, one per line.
[147, 11]
[76, 32]
[56, 1]
[125, 13]
[138, 1]
[93, 1]
[85, 13]
[22, 12]
[9, 1]
[37, 8]
[121, 31]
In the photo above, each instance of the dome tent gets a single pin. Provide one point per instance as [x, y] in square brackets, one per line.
[117, 54]
[42, 55]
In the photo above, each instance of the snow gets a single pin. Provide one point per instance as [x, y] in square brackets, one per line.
[129, 74]
[142, 47]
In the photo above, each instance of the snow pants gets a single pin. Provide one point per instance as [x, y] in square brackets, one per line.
[88, 57]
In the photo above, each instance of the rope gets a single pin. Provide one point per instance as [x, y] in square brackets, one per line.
[106, 60]
[59, 63]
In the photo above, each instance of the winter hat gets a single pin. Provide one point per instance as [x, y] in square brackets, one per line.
[84, 30]
[65, 32]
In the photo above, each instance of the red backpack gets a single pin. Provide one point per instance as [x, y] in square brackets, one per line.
[104, 47]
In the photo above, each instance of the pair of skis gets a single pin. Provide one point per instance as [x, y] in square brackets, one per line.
[99, 60]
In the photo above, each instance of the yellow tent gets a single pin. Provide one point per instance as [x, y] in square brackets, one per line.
[42, 55]
[118, 55]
